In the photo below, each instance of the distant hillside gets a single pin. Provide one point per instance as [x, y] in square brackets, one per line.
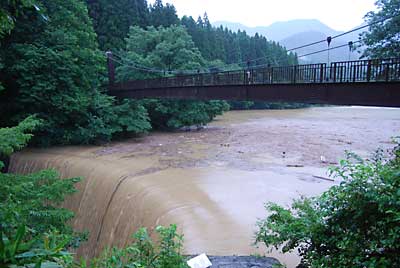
[341, 54]
[281, 30]
[299, 32]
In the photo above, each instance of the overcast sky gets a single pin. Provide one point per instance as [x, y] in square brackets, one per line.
[340, 15]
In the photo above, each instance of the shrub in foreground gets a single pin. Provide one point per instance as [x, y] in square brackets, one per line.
[354, 224]
[33, 228]
[144, 253]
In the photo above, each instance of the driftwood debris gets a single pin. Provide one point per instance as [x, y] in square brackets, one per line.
[295, 166]
[323, 178]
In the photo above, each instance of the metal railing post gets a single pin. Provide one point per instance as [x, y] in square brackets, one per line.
[321, 74]
[387, 72]
[369, 71]
[334, 72]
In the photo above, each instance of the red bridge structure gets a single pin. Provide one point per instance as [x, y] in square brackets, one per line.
[373, 82]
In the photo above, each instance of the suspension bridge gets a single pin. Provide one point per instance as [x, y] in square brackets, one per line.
[371, 82]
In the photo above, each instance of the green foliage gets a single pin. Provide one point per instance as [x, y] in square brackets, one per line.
[173, 114]
[54, 70]
[29, 218]
[234, 47]
[10, 10]
[31, 200]
[166, 49]
[47, 252]
[33, 231]
[15, 138]
[104, 119]
[354, 224]
[144, 253]
[112, 19]
[161, 48]
[382, 39]
[162, 15]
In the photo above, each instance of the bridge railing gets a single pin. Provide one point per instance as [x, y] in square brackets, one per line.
[374, 70]
[384, 70]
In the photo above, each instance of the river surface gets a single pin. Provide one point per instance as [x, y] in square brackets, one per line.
[212, 183]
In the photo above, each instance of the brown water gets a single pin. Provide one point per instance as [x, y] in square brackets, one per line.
[212, 183]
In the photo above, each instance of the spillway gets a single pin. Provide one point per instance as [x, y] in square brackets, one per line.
[212, 183]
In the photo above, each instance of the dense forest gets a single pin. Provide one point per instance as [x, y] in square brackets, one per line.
[52, 57]
[216, 45]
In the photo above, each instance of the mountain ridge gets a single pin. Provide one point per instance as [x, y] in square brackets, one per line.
[295, 33]
[282, 29]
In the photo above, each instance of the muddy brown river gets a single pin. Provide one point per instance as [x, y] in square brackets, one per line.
[212, 183]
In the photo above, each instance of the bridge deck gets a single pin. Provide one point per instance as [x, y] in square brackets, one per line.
[367, 82]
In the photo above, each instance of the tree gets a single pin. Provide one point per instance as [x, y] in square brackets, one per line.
[112, 19]
[163, 49]
[354, 224]
[10, 10]
[167, 49]
[163, 15]
[383, 38]
[235, 47]
[55, 70]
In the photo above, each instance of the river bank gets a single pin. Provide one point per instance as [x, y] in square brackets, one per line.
[213, 182]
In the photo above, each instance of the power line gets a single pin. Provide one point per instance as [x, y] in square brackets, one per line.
[133, 66]
[333, 37]
[138, 66]
[328, 49]
[154, 70]
[141, 67]
[345, 33]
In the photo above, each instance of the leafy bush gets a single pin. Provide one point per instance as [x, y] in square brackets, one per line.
[33, 231]
[15, 138]
[31, 200]
[173, 114]
[144, 253]
[354, 224]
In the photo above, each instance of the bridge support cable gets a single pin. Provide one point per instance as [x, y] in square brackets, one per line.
[362, 82]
